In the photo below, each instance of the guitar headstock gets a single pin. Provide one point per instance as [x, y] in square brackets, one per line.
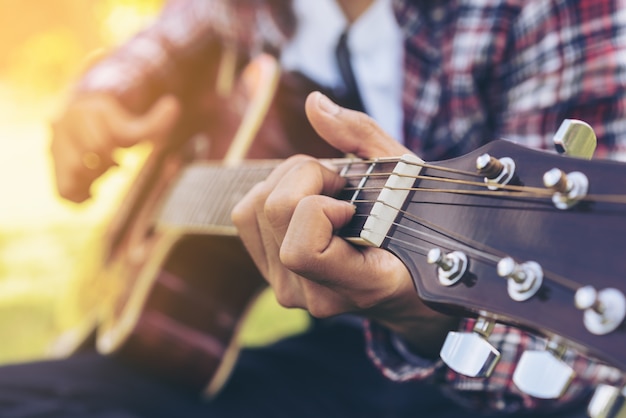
[540, 245]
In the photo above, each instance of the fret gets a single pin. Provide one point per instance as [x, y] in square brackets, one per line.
[203, 196]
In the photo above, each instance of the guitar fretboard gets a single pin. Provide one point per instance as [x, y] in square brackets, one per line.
[202, 198]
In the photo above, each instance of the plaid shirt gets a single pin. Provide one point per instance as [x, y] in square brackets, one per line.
[475, 70]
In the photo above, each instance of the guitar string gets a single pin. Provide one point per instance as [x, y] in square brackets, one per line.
[455, 191]
[479, 251]
[445, 238]
[503, 190]
[495, 256]
[522, 191]
[487, 252]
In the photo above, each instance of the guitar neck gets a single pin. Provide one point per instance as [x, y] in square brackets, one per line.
[203, 196]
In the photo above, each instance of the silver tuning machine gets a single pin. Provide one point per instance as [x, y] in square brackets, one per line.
[604, 310]
[569, 188]
[608, 402]
[469, 353]
[575, 138]
[543, 373]
[451, 266]
[524, 279]
[497, 172]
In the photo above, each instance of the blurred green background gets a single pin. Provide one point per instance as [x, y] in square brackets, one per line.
[49, 247]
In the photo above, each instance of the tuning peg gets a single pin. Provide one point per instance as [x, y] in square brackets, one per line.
[604, 310]
[607, 402]
[575, 138]
[469, 353]
[496, 171]
[542, 373]
[524, 280]
[452, 266]
[568, 188]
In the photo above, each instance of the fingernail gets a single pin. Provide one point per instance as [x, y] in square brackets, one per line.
[327, 105]
[352, 206]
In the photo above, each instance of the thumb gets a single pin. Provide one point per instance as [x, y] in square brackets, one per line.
[350, 131]
[154, 125]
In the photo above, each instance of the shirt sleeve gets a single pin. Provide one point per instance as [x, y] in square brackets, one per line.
[565, 60]
[163, 56]
[496, 392]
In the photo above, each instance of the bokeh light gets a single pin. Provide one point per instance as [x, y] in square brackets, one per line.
[49, 248]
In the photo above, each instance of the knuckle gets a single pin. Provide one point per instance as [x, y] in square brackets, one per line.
[297, 258]
[366, 125]
[365, 303]
[320, 311]
[239, 214]
[289, 258]
[299, 159]
[285, 296]
[64, 190]
[320, 307]
[71, 191]
[244, 211]
[278, 206]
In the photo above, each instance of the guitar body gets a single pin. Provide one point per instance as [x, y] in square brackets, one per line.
[180, 307]
[180, 290]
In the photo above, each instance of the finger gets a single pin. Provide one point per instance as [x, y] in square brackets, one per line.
[350, 131]
[313, 250]
[305, 178]
[306, 246]
[255, 231]
[259, 241]
[322, 301]
[90, 132]
[156, 124]
[244, 217]
[248, 212]
[82, 129]
[320, 294]
[72, 174]
[287, 288]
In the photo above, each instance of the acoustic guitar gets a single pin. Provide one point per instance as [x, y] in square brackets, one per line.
[502, 234]
[523, 253]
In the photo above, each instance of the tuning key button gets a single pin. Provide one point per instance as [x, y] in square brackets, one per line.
[469, 353]
[524, 280]
[608, 402]
[542, 373]
[496, 171]
[452, 266]
[576, 139]
[604, 311]
[568, 188]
